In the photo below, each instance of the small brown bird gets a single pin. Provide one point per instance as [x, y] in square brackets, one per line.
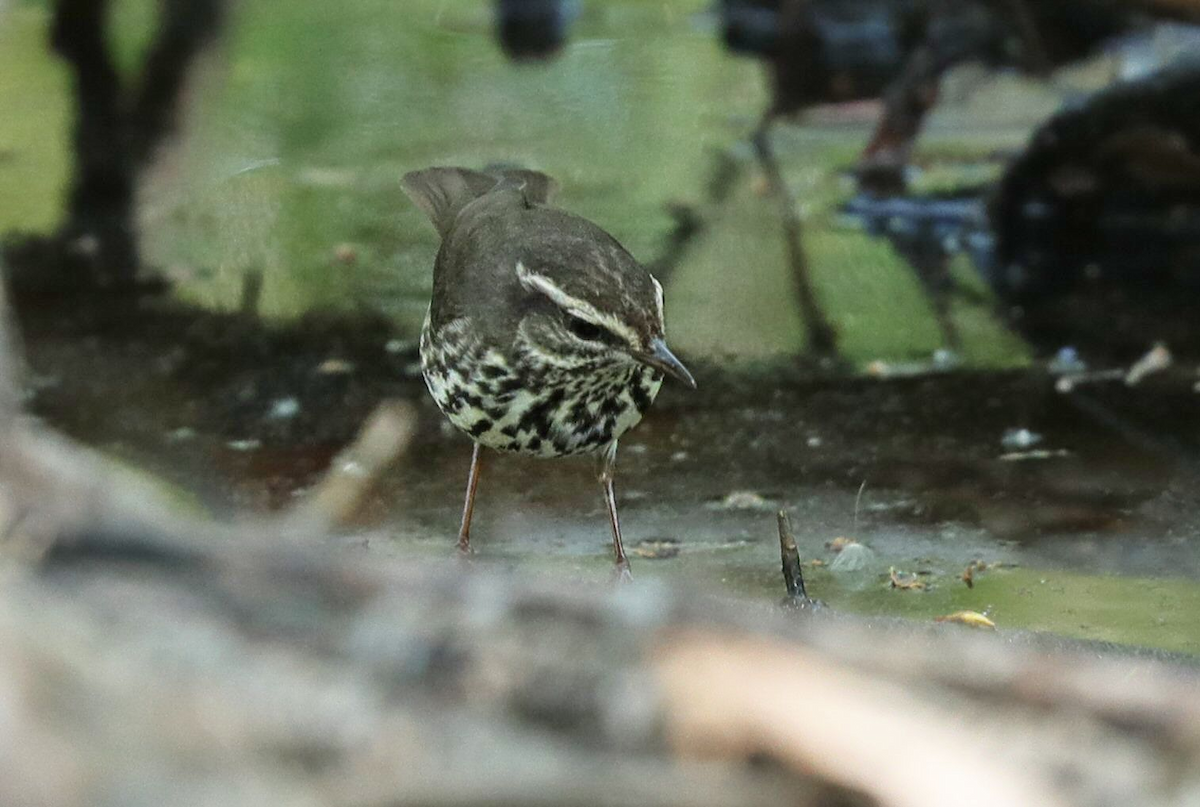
[544, 335]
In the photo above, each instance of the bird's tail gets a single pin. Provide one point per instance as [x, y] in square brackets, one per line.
[443, 192]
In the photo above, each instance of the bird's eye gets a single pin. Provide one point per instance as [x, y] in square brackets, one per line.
[584, 329]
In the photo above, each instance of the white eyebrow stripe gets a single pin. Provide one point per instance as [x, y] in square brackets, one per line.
[658, 299]
[575, 306]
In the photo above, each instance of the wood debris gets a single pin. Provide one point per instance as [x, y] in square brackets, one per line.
[973, 619]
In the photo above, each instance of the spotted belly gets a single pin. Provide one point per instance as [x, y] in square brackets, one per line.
[545, 414]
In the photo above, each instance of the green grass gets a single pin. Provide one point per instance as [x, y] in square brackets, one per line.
[1123, 610]
[1150, 613]
[33, 125]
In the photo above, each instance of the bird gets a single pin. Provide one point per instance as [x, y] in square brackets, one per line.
[544, 336]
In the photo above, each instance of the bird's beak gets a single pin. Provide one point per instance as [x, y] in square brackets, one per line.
[660, 357]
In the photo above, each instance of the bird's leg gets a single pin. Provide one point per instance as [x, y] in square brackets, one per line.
[605, 471]
[464, 531]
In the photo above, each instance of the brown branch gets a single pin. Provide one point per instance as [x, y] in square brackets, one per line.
[185, 28]
[692, 221]
[99, 234]
[732, 696]
[822, 337]
[353, 472]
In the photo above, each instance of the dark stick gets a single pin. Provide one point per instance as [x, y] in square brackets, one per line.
[931, 264]
[186, 27]
[687, 225]
[692, 221]
[793, 577]
[905, 105]
[99, 235]
[822, 338]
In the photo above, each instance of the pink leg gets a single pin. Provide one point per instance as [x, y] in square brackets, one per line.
[464, 531]
[607, 467]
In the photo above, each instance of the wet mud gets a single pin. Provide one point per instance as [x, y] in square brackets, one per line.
[1088, 498]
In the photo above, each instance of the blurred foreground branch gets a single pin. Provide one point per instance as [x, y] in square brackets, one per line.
[352, 472]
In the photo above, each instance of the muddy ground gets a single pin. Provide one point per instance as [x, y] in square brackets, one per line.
[1101, 512]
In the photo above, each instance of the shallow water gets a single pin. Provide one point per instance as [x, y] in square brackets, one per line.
[299, 127]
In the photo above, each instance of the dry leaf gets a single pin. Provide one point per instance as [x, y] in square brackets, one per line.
[972, 618]
[656, 548]
[839, 543]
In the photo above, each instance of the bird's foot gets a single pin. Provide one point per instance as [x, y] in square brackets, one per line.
[622, 574]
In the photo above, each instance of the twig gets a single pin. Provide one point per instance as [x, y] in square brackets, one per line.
[733, 696]
[905, 104]
[1155, 361]
[692, 221]
[822, 338]
[793, 577]
[688, 225]
[383, 438]
[857, 502]
[185, 29]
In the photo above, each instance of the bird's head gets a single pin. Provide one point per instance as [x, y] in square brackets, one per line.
[586, 301]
